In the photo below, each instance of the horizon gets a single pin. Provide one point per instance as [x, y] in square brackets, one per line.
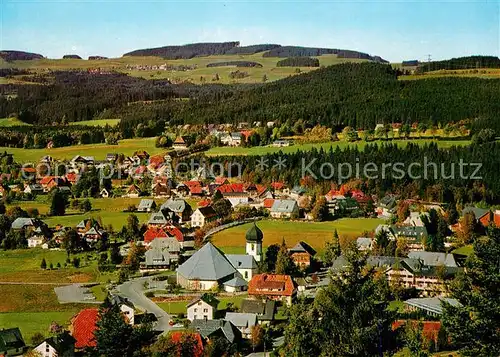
[395, 31]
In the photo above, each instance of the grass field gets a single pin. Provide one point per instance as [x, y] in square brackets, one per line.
[97, 122]
[263, 150]
[486, 73]
[99, 151]
[7, 122]
[255, 75]
[232, 240]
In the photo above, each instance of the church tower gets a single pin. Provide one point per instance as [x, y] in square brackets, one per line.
[254, 237]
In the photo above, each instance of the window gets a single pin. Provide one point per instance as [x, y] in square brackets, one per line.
[195, 310]
[253, 247]
[246, 275]
[205, 310]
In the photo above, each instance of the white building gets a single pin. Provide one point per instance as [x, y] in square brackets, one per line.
[203, 307]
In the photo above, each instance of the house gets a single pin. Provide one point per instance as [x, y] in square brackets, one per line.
[86, 224]
[153, 233]
[285, 209]
[82, 328]
[202, 216]
[482, 215]
[434, 258]
[263, 309]
[11, 342]
[126, 307]
[72, 178]
[35, 241]
[180, 207]
[297, 192]
[62, 345]
[180, 143]
[179, 336]
[203, 307]
[140, 155]
[386, 206]
[206, 269]
[160, 190]
[50, 182]
[302, 254]
[27, 224]
[244, 264]
[146, 205]
[273, 286]
[432, 306]
[364, 243]
[243, 321]
[161, 254]
[34, 189]
[216, 328]
[281, 143]
[93, 235]
[132, 191]
[415, 236]
[232, 139]
[104, 193]
[79, 161]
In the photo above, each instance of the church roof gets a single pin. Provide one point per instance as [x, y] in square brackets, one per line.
[254, 234]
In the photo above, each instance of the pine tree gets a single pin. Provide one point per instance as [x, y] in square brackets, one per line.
[43, 265]
[284, 263]
[332, 249]
[113, 333]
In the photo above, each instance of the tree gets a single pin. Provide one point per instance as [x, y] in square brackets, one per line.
[271, 257]
[71, 241]
[284, 263]
[352, 297]
[113, 333]
[467, 230]
[332, 249]
[414, 339]
[219, 347]
[257, 337]
[37, 338]
[115, 255]
[187, 346]
[320, 210]
[474, 325]
[58, 203]
[43, 265]
[86, 206]
[403, 210]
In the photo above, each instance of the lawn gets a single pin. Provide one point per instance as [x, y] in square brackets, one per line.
[33, 322]
[314, 233]
[263, 150]
[465, 250]
[97, 122]
[99, 151]
[6, 122]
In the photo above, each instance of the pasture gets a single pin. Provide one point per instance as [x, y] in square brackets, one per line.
[8, 122]
[99, 151]
[314, 233]
[178, 307]
[97, 122]
[263, 150]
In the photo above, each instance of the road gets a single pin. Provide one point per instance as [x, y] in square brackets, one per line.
[134, 291]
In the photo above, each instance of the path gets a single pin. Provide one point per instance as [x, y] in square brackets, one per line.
[134, 291]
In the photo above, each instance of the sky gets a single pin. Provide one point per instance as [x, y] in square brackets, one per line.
[395, 30]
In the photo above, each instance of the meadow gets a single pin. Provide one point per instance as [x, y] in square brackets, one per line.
[263, 150]
[99, 151]
[8, 122]
[179, 307]
[97, 122]
[232, 240]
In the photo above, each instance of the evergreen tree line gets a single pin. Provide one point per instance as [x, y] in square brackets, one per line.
[471, 62]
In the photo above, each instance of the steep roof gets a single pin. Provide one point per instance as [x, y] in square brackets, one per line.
[244, 321]
[84, 326]
[176, 205]
[22, 222]
[146, 203]
[303, 247]
[434, 258]
[271, 284]
[208, 263]
[207, 211]
[62, 343]
[207, 328]
[11, 339]
[152, 233]
[478, 212]
[208, 298]
[264, 310]
[284, 206]
[254, 234]
[242, 261]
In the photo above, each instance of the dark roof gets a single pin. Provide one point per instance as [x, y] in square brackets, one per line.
[478, 212]
[11, 339]
[208, 328]
[207, 211]
[254, 234]
[62, 343]
[208, 298]
[303, 247]
[264, 310]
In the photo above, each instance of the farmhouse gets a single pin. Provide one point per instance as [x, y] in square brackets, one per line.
[132, 191]
[263, 309]
[162, 218]
[273, 286]
[126, 307]
[11, 342]
[180, 143]
[202, 216]
[34, 189]
[302, 254]
[216, 328]
[62, 345]
[161, 190]
[27, 224]
[180, 207]
[146, 205]
[243, 321]
[203, 307]
[285, 209]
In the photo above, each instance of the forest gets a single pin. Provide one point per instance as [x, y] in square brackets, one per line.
[471, 62]
[235, 63]
[71, 57]
[298, 62]
[19, 55]
[186, 51]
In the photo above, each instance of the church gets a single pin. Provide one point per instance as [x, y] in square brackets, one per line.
[209, 267]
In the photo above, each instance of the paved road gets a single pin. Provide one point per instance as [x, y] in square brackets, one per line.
[134, 291]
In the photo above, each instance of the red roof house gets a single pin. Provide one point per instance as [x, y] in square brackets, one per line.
[272, 286]
[83, 326]
[268, 203]
[152, 233]
[173, 231]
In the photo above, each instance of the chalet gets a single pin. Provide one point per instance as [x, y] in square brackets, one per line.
[278, 187]
[50, 182]
[72, 178]
[297, 192]
[153, 233]
[11, 342]
[35, 241]
[126, 307]
[93, 235]
[206, 269]
[146, 205]
[482, 215]
[180, 143]
[243, 321]
[386, 206]
[62, 345]
[216, 328]
[203, 307]
[364, 243]
[163, 217]
[180, 207]
[263, 309]
[202, 216]
[232, 139]
[161, 190]
[132, 191]
[86, 224]
[83, 326]
[273, 287]
[34, 189]
[285, 209]
[219, 181]
[415, 219]
[162, 253]
[26, 224]
[302, 254]
[79, 161]
[140, 155]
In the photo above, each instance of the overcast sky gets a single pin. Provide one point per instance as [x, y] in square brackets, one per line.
[395, 30]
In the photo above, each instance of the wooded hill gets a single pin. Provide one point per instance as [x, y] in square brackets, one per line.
[471, 62]
[19, 55]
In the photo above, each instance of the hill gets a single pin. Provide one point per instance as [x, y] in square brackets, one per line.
[471, 62]
[19, 56]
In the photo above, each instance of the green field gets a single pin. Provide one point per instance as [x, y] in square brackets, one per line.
[255, 75]
[99, 151]
[263, 150]
[7, 122]
[97, 122]
[178, 307]
[486, 73]
[314, 233]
